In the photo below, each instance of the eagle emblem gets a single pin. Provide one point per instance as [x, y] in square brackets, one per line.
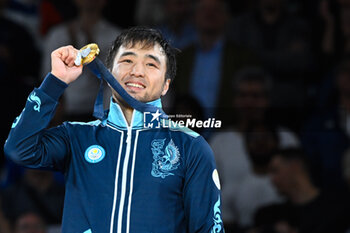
[164, 160]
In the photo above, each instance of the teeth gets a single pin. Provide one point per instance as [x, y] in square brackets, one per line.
[134, 85]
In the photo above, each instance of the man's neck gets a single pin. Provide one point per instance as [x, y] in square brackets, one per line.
[126, 109]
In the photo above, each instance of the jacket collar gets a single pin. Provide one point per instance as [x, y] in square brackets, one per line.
[116, 115]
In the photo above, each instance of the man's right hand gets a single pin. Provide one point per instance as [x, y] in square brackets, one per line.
[62, 64]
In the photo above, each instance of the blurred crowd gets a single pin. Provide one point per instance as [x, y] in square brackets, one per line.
[275, 72]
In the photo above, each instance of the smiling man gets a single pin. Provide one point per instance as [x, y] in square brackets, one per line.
[120, 176]
[141, 68]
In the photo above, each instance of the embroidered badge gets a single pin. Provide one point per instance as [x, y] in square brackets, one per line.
[94, 154]
[165, 160]
[33, 98]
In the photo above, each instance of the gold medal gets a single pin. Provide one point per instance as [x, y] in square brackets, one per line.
[88, 53]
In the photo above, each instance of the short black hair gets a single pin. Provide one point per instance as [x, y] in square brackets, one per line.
[147, 37]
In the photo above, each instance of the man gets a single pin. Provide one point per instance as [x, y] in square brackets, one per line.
[251, 107]
[325, 134]
[310, 209]
[281, 43]
[207, 65]
[121, 176]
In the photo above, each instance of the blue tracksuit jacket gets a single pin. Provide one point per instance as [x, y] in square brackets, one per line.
[120, 178]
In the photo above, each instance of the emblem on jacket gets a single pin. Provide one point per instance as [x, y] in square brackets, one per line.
[33, 98]
[165, 160]
[217, 218]
[94, 154]
[14, 124]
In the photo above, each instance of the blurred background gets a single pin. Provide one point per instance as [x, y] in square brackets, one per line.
[276, 73]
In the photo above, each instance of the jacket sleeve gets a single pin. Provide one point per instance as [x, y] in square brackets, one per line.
[202, 199]
[29, 143]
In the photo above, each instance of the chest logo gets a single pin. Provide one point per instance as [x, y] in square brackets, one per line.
[94, 154]
[164, 160]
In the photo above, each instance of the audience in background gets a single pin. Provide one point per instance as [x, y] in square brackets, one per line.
[279, 39]
[27, 13]
[38, 16]
[250, 104]
[19, 62]
[307, 208]
[178, 26]
[256, 189]
[54, 12]
[325, 135]
[36, 191]
[282, 43]
[206, 66]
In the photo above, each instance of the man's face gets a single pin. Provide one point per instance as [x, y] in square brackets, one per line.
[141, 72]
[251, 100]
[260, 145]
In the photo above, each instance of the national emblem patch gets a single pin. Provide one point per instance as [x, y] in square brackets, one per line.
[94, 154]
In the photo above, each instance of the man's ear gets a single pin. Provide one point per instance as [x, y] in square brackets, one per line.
[166, 86]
